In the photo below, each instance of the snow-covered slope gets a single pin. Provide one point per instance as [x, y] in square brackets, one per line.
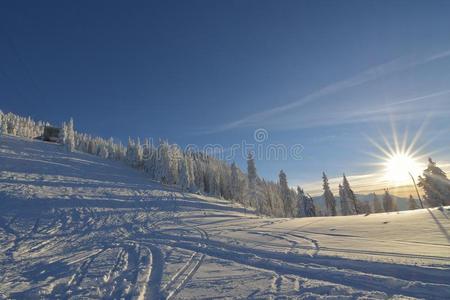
[73, 225]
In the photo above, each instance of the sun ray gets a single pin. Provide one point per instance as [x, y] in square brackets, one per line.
[399, 158]
[378, 146]
[405, 141]
[377, 156]
[416, 137]
[395, 137]
[391, 151]
[427, 143]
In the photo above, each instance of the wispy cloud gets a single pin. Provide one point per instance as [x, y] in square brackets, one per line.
[401, 109]
[397, 65]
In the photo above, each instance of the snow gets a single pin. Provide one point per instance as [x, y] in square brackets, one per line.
[73, 225]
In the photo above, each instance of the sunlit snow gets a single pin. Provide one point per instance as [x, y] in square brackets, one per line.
[73, 225]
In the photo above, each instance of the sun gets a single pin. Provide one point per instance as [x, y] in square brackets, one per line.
[400, 160]
[399, 167]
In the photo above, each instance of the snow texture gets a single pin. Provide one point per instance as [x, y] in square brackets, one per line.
[73, 225]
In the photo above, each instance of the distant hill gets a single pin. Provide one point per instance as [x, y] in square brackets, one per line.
[402, 202]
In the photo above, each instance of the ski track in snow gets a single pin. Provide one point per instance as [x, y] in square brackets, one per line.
[76, 226]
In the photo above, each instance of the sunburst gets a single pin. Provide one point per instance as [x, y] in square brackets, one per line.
[400, 159]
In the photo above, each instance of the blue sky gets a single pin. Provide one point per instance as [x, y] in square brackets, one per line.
[323, 74]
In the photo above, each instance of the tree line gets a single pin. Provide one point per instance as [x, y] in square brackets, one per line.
[198, 172]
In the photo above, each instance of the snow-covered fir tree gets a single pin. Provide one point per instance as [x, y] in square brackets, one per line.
[20, 126]
[435, 185]
[162, 168]
[343, 200]
[190, 172]
[268, 196]
[272, 199]
[213, 179]
[3, 124]
[350, 198]
[175, 154]
[310, 209]
[330, 201]
[70, 136]
[301, 202]
[252, 176]
[235, 191]
[149, 155]
[131, 153]
[199, 161]
[184, 176]
[285, 194]
[1, 121]
[104, 153]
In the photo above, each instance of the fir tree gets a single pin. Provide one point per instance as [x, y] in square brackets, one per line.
[3, 124]
[184, 180]
[104, 152]
[131, 153]
[162, 163]
[285, 194]
[345, 210]
[138, 154]
[300, 202]
[310, 209]
[190, 171]
[234, 182]
[328, 196]
[62, 134]
[251, 173]
[352, 202]
[70, 136]
[435, 185]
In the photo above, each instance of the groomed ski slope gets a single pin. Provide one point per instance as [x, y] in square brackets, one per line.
[75, 226]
